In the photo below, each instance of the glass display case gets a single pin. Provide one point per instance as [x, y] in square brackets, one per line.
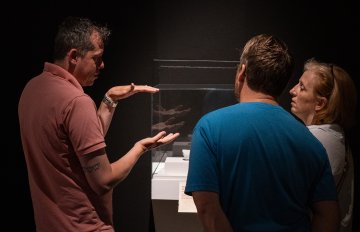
[178, 107]
[187, 92]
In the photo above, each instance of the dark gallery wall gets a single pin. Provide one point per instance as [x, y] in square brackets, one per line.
[180, 30]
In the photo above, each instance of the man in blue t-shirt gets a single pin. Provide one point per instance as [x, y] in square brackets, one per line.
[253, 166]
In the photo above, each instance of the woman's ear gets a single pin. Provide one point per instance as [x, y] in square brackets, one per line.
[320, 103]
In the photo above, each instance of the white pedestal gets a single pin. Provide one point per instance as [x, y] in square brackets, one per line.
[165, 197]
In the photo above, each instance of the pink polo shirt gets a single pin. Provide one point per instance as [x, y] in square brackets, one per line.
[58, 124]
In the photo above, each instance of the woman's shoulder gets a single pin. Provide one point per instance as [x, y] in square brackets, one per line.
[331, 129]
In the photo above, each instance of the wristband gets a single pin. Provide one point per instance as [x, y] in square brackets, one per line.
[110, 102]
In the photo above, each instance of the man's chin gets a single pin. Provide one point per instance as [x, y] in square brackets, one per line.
[89, 83]
[92, 81]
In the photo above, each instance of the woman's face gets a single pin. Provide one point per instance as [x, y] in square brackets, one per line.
[304, 100]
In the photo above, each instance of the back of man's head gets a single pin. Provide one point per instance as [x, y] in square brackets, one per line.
[269, 64]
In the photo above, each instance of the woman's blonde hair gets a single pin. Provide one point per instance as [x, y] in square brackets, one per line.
[336, 85]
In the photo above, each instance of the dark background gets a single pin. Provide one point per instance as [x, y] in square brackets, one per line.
[146, 30]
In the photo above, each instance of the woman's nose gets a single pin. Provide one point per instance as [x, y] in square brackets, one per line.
[292, 91]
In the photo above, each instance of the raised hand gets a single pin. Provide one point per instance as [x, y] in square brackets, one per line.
[123, 91]
[158, 140]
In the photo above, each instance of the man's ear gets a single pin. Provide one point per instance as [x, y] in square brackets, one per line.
[73, 54]
[240, 75]
[320, 103]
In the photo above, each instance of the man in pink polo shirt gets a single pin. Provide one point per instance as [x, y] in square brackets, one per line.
[62, 132]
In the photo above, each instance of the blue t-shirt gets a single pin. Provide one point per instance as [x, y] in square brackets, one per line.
[265, 165]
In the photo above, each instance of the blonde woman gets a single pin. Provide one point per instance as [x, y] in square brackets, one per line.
[325, 100]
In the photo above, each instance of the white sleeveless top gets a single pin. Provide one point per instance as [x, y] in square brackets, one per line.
[332, 138]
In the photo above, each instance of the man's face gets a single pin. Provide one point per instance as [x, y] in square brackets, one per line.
[88, 67]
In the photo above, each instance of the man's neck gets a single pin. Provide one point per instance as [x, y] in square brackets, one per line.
[248, 95]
